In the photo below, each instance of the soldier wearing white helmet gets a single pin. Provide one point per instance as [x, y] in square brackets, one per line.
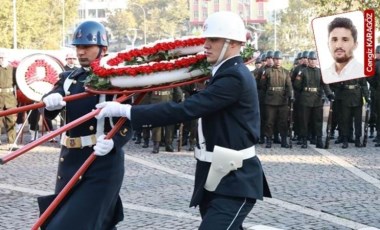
[228, 176]
[71, 58]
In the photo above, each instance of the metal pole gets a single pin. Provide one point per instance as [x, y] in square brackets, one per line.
[144, 17]
[14, 25]
[63, 23]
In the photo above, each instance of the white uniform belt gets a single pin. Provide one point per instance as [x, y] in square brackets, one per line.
[6, 90]
[78, 142]
[206, 156]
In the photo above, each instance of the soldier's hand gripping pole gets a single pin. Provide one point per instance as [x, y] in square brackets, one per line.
[328, 127]
[366, 119]
[41, 104]
[53, 134]
[82, 169]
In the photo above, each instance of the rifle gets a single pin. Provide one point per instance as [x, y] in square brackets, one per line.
[180, 136]
[291, 124]
[366, 119]
[328, 127]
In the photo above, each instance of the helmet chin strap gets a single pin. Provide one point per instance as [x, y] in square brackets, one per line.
[223, 52]
[100, 52]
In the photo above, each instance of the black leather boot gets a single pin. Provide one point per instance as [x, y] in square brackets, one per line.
[138, 140]
[146, 143]
[304, 143]
[156, 147]
[339, 140]
[357, 142]
[313, 140]
[319, 143]
[269, 143]
[371, 132]
[191, 148]
[276, 139]
[169, 148]
[284, 142]
[345, 143]
[261, 140]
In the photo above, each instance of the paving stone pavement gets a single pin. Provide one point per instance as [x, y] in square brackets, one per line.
[312, 188]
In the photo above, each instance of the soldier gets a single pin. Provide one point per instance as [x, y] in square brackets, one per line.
[228, 132]
[310, 85]
[302, 63]
[94, 202]
[165, 132]
[71, 58]
[8, 99]
[189, 131]
[351, 106]
[277, 88]
[375, 84]
[266, 65]
[257, 66]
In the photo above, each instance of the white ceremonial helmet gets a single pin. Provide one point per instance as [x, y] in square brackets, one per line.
[71, 55]
[225, 24]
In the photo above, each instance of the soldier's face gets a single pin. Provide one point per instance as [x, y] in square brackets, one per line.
[213, 48]
[312, 62]
[87, 54]
[277, 62]
[341, 44]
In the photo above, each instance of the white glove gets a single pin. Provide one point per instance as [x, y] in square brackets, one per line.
[113, 109]
[54, 101]
[103, 146]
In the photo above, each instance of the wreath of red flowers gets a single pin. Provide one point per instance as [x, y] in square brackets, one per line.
[51, 73]
[154, 66]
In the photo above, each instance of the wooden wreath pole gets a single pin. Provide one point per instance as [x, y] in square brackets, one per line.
[54, 133]
[41, 104]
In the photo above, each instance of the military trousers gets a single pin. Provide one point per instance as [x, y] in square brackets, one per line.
[276, 116]
[348, 115]
[224, 212]
[314, 115]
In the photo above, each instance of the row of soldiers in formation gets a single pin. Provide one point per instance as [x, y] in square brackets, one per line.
[291, 102]
[291, 106]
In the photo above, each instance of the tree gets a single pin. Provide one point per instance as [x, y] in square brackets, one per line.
[120, 22]
[164, 18]
[294, 31]
[39, 22]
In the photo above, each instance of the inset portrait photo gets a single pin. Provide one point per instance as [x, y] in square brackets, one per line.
[340, 45]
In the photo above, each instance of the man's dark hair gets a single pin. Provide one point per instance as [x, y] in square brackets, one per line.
[344, 23]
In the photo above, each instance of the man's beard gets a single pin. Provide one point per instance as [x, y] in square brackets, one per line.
[343, 59]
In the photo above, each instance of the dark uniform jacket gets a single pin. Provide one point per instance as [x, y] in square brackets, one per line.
[277, 86]
[311, 87]
[374, 80]
[230, 118]
[351, 92]
[94, 202]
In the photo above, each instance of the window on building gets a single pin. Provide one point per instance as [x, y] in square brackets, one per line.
[216, 5]
[260, 10]
[228, 5]
[101, 13]
[82, 14]
[92, 13]
[196, 15]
